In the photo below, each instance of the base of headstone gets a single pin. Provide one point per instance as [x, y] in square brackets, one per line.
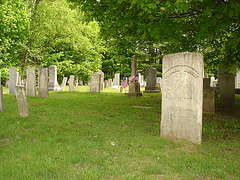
[134, 89]
[237, 91]
[53, 87]
[152, 91]
[136, 94]
[1, 99]
[115, 87]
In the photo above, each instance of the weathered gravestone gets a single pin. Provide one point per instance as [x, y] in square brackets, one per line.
[134, 86]
[95, 82]
[101, 80]
[76, 83]
[116, 81]
[106, 84]
[18, 78]
[1, 98]
[110, 82]
[71, 83]
[31, 82]
[151, 75]
[182, 96]
[208, 97]
[226, 82]
[159, 83]
[22, 101]
[7, 84]
[80, 83]
[63, 83]
[12, 80]
[43, 82]
[53, 84]
[237, 80]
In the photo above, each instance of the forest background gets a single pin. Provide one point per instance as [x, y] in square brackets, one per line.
[81, 37]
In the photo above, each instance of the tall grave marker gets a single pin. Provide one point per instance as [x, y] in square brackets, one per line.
[95, 86]
[182, 96]
[53, 84]
[151, 75]
[12, 80]
[64, 81]
[22, 101]
[71, 83]
[134, 86]
[43, 82]
[116, 81]
[31, 82]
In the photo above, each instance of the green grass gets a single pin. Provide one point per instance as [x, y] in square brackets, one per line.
[82, 135]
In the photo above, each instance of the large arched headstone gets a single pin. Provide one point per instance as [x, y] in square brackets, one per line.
[182, 96]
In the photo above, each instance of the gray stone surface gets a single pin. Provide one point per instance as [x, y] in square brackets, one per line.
[12, 80]
[31, 82]
[116, 81]
[110, 82]
[101, 81]
[182, 96]
[76, 83]
[237, 80]
[53, 84]
[63, 85]
[22, 101]
[43, 82]
[151, 86]
[19, 79]
[208, 97]
[95, 82]
[106, 84]
[1, 99]
[134, 86]
[7, 84]
[71, 83]
[80, 83]
[226, 82]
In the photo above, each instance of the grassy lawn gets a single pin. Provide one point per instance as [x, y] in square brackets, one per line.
[107, 135]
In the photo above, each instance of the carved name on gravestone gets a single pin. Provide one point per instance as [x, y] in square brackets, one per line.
[71, 83]
[63, 83]
[53, 84]
[12, 80]
[95, 82]
[151, 86]
[182, 96]
[208, 97]
[31, 82]
[43, 82]
[226, 86]
[22, 101]
[1, 99]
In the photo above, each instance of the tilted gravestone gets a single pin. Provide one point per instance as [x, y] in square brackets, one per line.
[53, 84]
[151, 86]
[31, 82]
[71, 83]
[226, 82]
[76, 83]
[43, 82]
[208, 97]
[63, 83]
[182, 96]
[22, 101]
[95, 82]
[134, 86]
[1, 99]
[12, 80]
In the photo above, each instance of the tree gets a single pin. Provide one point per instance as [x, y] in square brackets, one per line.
[179, 25]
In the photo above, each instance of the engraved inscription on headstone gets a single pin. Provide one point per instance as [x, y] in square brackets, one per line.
[182, 96]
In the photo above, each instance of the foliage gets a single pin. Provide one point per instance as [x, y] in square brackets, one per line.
[177, 25]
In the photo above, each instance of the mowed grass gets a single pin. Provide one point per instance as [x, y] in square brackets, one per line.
[107, 135]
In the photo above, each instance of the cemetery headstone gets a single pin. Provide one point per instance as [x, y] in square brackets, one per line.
[101, 81]
[116, 81]
[71, 83]
[182, 96]
[106, 84]
[43, 90]
[53, 84]
[22, 101]
[134, 86]
[95, 82]
[63, 83]
[237, 80]
[7, 84]
[12, 80]
[31, 82]
[110, 82]
[76, 83]
[208, 97]
[226, 82]
[159, 83]
[1, 98]
[80, 83]
[151, 75]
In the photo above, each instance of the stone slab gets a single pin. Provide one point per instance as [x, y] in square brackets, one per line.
[31, 82]
[22, 101]
[43, 90]
[182, 96]
[12, 80]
